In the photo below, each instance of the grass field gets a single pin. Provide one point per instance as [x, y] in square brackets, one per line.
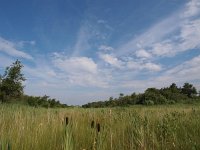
[138, 127]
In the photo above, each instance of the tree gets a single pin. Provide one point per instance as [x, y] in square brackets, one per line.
[121, 95]
[11, 82]
[173, 88]
[111, 98]
[152, 96]
[189, 90]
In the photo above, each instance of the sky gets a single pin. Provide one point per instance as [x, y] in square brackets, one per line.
[79, 51]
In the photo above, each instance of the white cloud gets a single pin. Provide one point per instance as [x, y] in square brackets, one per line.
[192, 8]
[170, 36]
[110, 59]
[76, 65]
[143, 54]
[129, 64]
[80, 71]
[190, 35]
[187, 39]
[152, 67]
[140, 65]
[9, 48]
[105, 48]
[186, 72]
[189, 70]
[156, 33]
[164, 48]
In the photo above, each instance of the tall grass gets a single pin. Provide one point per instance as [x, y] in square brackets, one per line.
[161, 127]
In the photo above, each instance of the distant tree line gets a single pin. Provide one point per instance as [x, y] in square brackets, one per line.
[152, 96]
[11, 89]
[42, 101]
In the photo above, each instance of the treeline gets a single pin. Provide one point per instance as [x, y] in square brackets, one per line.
[42, 101]
[152, 96]
[11, 89]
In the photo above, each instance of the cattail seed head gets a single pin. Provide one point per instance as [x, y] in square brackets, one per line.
[9, 146]
[66, 121]
[98, 127]
[92, 124]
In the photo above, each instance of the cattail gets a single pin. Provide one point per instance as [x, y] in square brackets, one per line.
[98, 127]
[66, 121]
[9, 146]
[92, 124]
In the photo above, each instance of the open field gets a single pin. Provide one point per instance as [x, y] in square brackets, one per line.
[138, 127]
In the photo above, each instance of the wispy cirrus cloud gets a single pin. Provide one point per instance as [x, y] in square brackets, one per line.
[192, 8]
[155, 33]
[177, 33]
[189, 70]
[186, 40]
[90, 34]
[9, 48]
[82, 42]
[5, 61]
[105, 48]
[23, 43]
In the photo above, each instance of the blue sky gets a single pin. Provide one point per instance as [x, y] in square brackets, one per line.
[84, 50]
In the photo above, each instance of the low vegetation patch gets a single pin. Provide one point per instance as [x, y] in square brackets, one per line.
[137, 127]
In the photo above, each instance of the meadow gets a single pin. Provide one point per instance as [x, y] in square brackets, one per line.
[123, 128]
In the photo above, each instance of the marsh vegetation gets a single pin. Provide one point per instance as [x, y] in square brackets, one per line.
[137, 127]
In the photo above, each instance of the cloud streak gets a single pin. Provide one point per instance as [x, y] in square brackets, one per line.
[177, 33]
[9, 48]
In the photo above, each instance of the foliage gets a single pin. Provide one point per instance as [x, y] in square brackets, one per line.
[189, 90]
[152, 96]
[11, 82]
[44, 101]
[11, 89]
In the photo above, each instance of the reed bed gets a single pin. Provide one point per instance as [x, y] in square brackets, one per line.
[138, 127]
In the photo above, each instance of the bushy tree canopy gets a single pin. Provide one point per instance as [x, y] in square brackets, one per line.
[189, 90]
[11, 82]
[152, 96]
